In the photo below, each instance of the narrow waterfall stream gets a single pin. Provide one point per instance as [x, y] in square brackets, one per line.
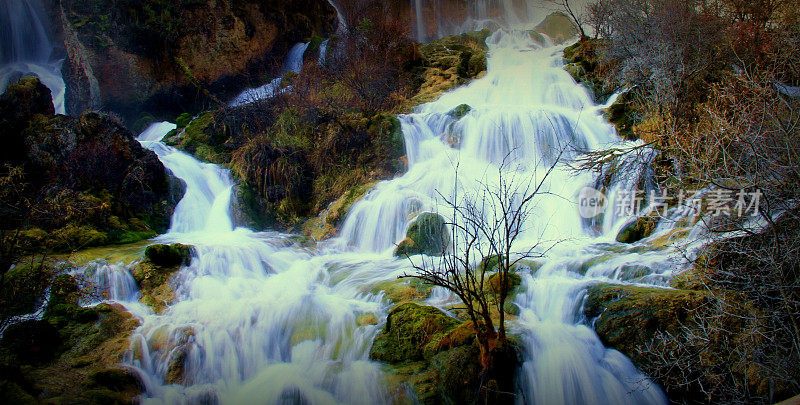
[27, 49]
[261, 318]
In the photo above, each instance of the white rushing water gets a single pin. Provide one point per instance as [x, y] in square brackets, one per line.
[294, 63]
[259, 318]
[26, 48]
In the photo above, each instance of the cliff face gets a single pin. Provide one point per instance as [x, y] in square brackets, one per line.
[159, 57]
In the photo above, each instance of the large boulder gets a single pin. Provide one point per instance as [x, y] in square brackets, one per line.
[427, 235]
[91, 181]
[156, 57]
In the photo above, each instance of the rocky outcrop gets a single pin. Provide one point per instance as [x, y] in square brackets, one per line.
[695, 343]
[156, 57]
[154, 273]
[87, 180]
[72, 355]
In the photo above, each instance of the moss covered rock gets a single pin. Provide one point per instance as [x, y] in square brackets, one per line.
[427, 235]
[409, 328]
[639, 229]
[460, 111]
[154, 273]
[449, 62]
[172, 255]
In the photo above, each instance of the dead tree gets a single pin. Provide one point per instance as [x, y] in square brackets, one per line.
[477, 266]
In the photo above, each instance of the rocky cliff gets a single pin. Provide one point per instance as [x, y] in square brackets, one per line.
[157, 58]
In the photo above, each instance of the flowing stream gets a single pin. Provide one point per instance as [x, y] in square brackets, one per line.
[27, 49]
[259, 317]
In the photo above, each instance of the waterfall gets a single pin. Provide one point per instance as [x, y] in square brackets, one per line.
[26, 48]
[420, 21]
[261, 318]
[294, 63]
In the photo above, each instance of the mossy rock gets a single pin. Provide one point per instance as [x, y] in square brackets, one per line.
[183, 120]
[460, 112]
[404, 290]
[623, 115]
[172, 255]
[628, 316]
[153, 274]
[639, 229]
[427, 235]
[409, 329]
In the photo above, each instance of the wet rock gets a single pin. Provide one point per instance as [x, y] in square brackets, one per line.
[89, 166]
[172, 255]
[154, 273]
[427, 235]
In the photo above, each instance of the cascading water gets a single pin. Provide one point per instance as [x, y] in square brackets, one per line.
[26, 48]
[294, 63]
[260, 318]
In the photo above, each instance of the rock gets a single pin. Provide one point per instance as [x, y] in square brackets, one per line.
[409, 328]
[172, 255]
[32, 341]
[154, 273]
[448, 62]
[460, 111]
[559, 27]
[427, 235]
[628, 315]
[639, 229]
[23, 287]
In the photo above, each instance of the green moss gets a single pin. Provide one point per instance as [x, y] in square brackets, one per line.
[404, 290]
[460, 111]
[183, 120]
[409, 328]
[426, 235]
[153, 275]
[623, 116]
[74, 237]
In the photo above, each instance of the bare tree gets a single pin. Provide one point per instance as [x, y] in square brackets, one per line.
[573, 13]
[477, 266]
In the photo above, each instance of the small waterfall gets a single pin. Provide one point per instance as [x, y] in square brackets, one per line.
[26, 48]
[294, 63]
[323, 52]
